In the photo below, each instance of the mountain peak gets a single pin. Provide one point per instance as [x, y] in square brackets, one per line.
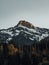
[23, 30]
[26, 24]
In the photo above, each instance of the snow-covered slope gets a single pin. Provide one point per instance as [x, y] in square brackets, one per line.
[23, 31]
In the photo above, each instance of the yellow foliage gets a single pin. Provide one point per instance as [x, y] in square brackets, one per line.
[44, 51]
[33, 49]
[12, 49]
[1, 47]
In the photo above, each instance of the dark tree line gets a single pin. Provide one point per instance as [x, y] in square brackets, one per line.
[36, 54]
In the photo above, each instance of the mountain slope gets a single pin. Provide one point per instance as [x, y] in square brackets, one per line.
[23, 33]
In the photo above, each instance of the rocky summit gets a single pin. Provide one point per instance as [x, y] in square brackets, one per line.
[26, 24]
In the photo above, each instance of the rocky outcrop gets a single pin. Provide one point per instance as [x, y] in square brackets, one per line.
[25, 23]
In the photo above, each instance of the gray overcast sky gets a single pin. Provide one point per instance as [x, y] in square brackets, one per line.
[34, 11]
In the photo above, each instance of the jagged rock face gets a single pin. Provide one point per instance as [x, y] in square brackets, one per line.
[23, 33]
[25, 23]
